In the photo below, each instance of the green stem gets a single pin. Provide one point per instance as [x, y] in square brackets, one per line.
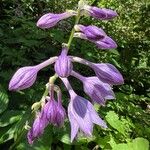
[73, 30]
[18, 140]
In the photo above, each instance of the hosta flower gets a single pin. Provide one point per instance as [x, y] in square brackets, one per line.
[106, 43]
[108, 73]
[95, 35]
[23, 78]
[63, 65]
[50, 108]
[60, 115]
[37, 128]
[91, 32]
[49, 20]
[26, 76]
[97, 90]
[100, 13]
[81, 114]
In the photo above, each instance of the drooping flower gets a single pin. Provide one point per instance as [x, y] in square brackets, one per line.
[100, 13]
[108, 73]
[81, 114]
[37, 128]
[63, 65]
[50, 108]
[49, 20]
[60, 115]
[23, 78]
[97, 90]
[91, 32]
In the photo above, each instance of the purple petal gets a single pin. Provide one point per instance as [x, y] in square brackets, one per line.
[100, 13]
[106, 43]
[73, 123]
[108, 73]
[80, 112]
[23, 78]
[63, 65]
[97, 90]
[95, 117]
[49, 20]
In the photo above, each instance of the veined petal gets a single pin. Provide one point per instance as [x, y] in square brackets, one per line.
[94, 116]
[80, 112]
[108, 73]
[73, 123]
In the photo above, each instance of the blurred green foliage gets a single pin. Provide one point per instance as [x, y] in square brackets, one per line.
[22, 43]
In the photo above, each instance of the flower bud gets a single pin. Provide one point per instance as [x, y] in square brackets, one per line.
[63, 65]
[106, 43]
[37, 129]
[108, 73]
[49, 20]
[50, 110]
[100, 13]
[23, 78]
[60, 115]
[97, 90]
[91, 32]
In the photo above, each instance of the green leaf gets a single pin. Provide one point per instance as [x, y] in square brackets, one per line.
[3, 101]
[136, 144]
[113, 119]
[21, 124]
[9, 117]
[7, 135]
[140, 144]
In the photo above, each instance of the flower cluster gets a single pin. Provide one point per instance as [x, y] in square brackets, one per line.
[81, 112]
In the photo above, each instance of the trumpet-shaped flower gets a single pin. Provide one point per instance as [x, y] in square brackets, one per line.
[97, 90]
[81, 113]
[82, 116]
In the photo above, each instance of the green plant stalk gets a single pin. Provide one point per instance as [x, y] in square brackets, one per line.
[73, 30]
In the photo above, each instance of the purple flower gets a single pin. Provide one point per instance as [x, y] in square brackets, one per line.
[82, 116]
[37, 129]
[49, 20]
[81, 113]
[91, 32]
[106, 43]
[108, 73]
[50, 108]
[97, 90]
[63, 65]
[26, 76]
[95, 35]
[100, 13]
[60, 115]
[23, 78]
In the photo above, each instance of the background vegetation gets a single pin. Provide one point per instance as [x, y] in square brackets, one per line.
[22, 44]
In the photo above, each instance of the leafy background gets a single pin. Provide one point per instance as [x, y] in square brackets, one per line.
[22, 44]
